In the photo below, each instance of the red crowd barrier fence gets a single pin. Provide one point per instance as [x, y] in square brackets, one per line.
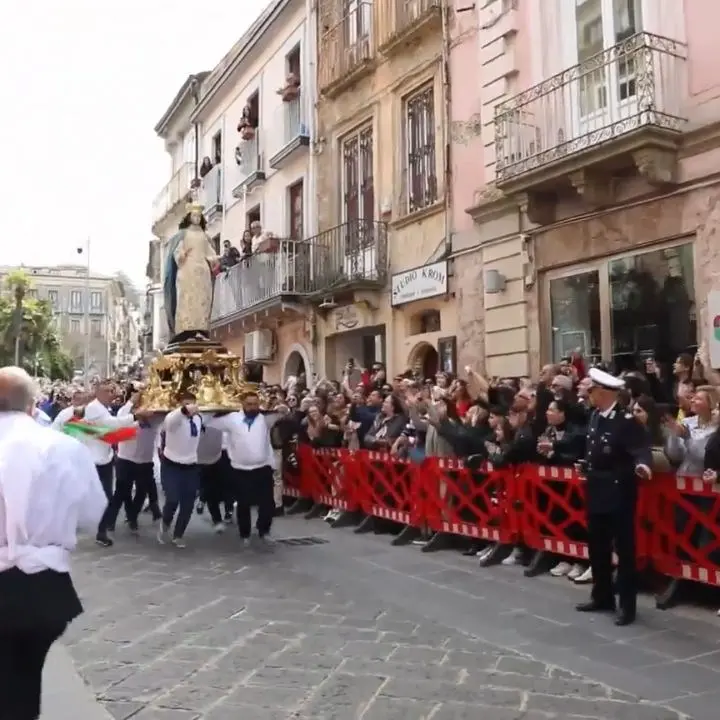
[540, 507]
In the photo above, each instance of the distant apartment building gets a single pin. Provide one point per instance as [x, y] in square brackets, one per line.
[83, 307]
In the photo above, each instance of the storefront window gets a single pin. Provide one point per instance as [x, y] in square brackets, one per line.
[627, 309]
[575, 315]
[652, 301]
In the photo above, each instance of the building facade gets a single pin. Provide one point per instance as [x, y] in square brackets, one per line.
[594, 223]
[256, 114]
[84, 309]
[180, 137]
[383, 190]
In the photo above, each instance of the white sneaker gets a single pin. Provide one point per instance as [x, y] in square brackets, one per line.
[219, 528]
[561, 569]
[162, 534]
[585, 579]
[179, 543]
[513, 558]
[576, 571]
[485, 552]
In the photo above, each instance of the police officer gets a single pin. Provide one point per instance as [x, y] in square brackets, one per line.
[617, 454]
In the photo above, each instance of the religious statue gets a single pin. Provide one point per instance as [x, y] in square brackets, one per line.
[189, 275]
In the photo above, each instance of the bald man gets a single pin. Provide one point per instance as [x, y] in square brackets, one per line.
[48, 487]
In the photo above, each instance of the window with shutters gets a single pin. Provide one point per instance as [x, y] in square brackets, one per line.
[420, 175]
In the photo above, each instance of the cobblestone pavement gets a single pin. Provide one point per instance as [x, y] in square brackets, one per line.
[338, 631]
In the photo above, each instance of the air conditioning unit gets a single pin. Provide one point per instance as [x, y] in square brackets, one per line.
[259, 346]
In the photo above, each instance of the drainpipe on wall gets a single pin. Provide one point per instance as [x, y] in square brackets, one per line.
[195, 89]
[447, 98]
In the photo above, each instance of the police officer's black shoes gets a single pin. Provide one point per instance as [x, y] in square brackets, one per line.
[624, 617]
[595, 606]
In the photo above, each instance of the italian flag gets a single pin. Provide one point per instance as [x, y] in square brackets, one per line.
[82, 430]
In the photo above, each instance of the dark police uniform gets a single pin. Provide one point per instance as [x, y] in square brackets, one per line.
[616, 445]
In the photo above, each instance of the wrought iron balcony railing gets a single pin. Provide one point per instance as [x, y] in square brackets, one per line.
[349, 256]
[346, 48]
[640, 82]
[261, 278]
[177, 190]
[399, 18]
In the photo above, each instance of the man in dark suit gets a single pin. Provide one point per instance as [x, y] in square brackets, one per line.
[617, 455]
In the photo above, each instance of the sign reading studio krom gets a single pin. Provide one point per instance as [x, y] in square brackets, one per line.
[420, 283]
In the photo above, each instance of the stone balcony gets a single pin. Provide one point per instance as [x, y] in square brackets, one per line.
[619, 112]
[175, 192]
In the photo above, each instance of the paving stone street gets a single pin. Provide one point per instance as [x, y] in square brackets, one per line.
[353, 628]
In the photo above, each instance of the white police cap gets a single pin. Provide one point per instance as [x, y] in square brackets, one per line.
[603, 379]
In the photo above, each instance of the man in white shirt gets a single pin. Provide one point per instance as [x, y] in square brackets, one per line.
[134, 467]
[179, 470]
[97, 413]
[48, 486]
[252, 462]
[77, 399]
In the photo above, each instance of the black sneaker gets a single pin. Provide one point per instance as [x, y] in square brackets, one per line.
[228, 518]
[134, 529]
[200, 509]
[103, 540]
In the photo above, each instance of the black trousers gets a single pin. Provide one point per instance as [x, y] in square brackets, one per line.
[105, 473]
[608, 531]
[214, 487]
[22, 658]
[129, 474]
[254, 487]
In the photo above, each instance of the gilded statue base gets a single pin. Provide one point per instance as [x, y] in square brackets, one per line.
[204, 368]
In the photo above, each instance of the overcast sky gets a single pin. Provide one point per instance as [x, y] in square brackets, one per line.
[83, 84]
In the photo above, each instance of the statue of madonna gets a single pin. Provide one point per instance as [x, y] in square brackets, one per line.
[189, 276]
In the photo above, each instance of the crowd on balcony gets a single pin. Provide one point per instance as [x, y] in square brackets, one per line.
[254, 241]
[508, 421]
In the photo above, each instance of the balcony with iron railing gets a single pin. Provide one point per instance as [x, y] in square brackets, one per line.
[607, 113]
[291, 131]
[175, 192]
[347, 50]
[402, 23]
[262, 281]
[249, 168]
[350, 256]
[211, 193]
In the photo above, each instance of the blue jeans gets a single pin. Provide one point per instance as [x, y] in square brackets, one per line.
[180, 483]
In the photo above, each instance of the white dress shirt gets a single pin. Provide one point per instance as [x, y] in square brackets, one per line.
[41, 417]
[48, 487]
[97, 414]
[142, 448]
[181, 446]
[248, 441]
[62, 417]
[211, 446]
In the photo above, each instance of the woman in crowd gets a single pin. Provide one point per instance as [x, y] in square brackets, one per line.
[388, 425]
[647, 412]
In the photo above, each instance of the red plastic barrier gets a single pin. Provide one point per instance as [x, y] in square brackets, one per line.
[328, 477]
[473, 503]
[684, 515]
[389, 488]
[542, 507]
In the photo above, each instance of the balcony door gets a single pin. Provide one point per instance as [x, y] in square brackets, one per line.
[358, 202]
[603, 90]
[357, 24]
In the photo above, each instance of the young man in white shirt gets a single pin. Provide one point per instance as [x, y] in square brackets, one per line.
[134, 467]
[97, 412]
[179, 469]
[252, 462]
[48, 487]
[77, 399]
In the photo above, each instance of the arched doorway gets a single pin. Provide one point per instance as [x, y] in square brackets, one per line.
[296, 363]
[424, 360]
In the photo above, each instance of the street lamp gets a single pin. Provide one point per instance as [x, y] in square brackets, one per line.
[86, 308]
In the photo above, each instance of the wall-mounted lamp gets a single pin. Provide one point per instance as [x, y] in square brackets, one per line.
[495, 282]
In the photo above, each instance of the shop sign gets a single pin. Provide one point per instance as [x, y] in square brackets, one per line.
[421, 283]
